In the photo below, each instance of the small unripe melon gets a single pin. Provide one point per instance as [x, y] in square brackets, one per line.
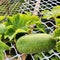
[35, 43]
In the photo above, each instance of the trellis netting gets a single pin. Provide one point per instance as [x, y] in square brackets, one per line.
[13, 7]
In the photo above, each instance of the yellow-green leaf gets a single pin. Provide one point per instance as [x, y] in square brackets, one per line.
[58, 46]
[2, 28]
[1, 55]
[3, 46]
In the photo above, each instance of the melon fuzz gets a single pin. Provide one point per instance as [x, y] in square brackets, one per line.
[35, 43]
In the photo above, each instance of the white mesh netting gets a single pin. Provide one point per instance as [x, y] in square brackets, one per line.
[30, 6]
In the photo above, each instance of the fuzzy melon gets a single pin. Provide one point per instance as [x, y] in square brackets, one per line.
[35, 43]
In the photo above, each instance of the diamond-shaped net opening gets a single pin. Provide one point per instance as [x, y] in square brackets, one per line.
[10, 7]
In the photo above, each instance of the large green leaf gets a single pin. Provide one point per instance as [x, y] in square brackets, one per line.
[57, 20]
[3, 46]
[1, 55]
[22, 21]
[57, 38]
[58, 46]
[2, 28]
[10, 30]
[13, 35]
[57, 32]
[53, 13]
[47, 14]
[56, 11]
[9, 20]
[2, 17]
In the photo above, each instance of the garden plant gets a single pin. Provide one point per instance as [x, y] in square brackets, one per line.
[20, 30]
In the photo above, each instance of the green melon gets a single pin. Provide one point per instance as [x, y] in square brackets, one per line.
[35, 43]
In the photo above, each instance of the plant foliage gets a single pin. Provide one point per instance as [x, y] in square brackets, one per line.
[21, 23]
